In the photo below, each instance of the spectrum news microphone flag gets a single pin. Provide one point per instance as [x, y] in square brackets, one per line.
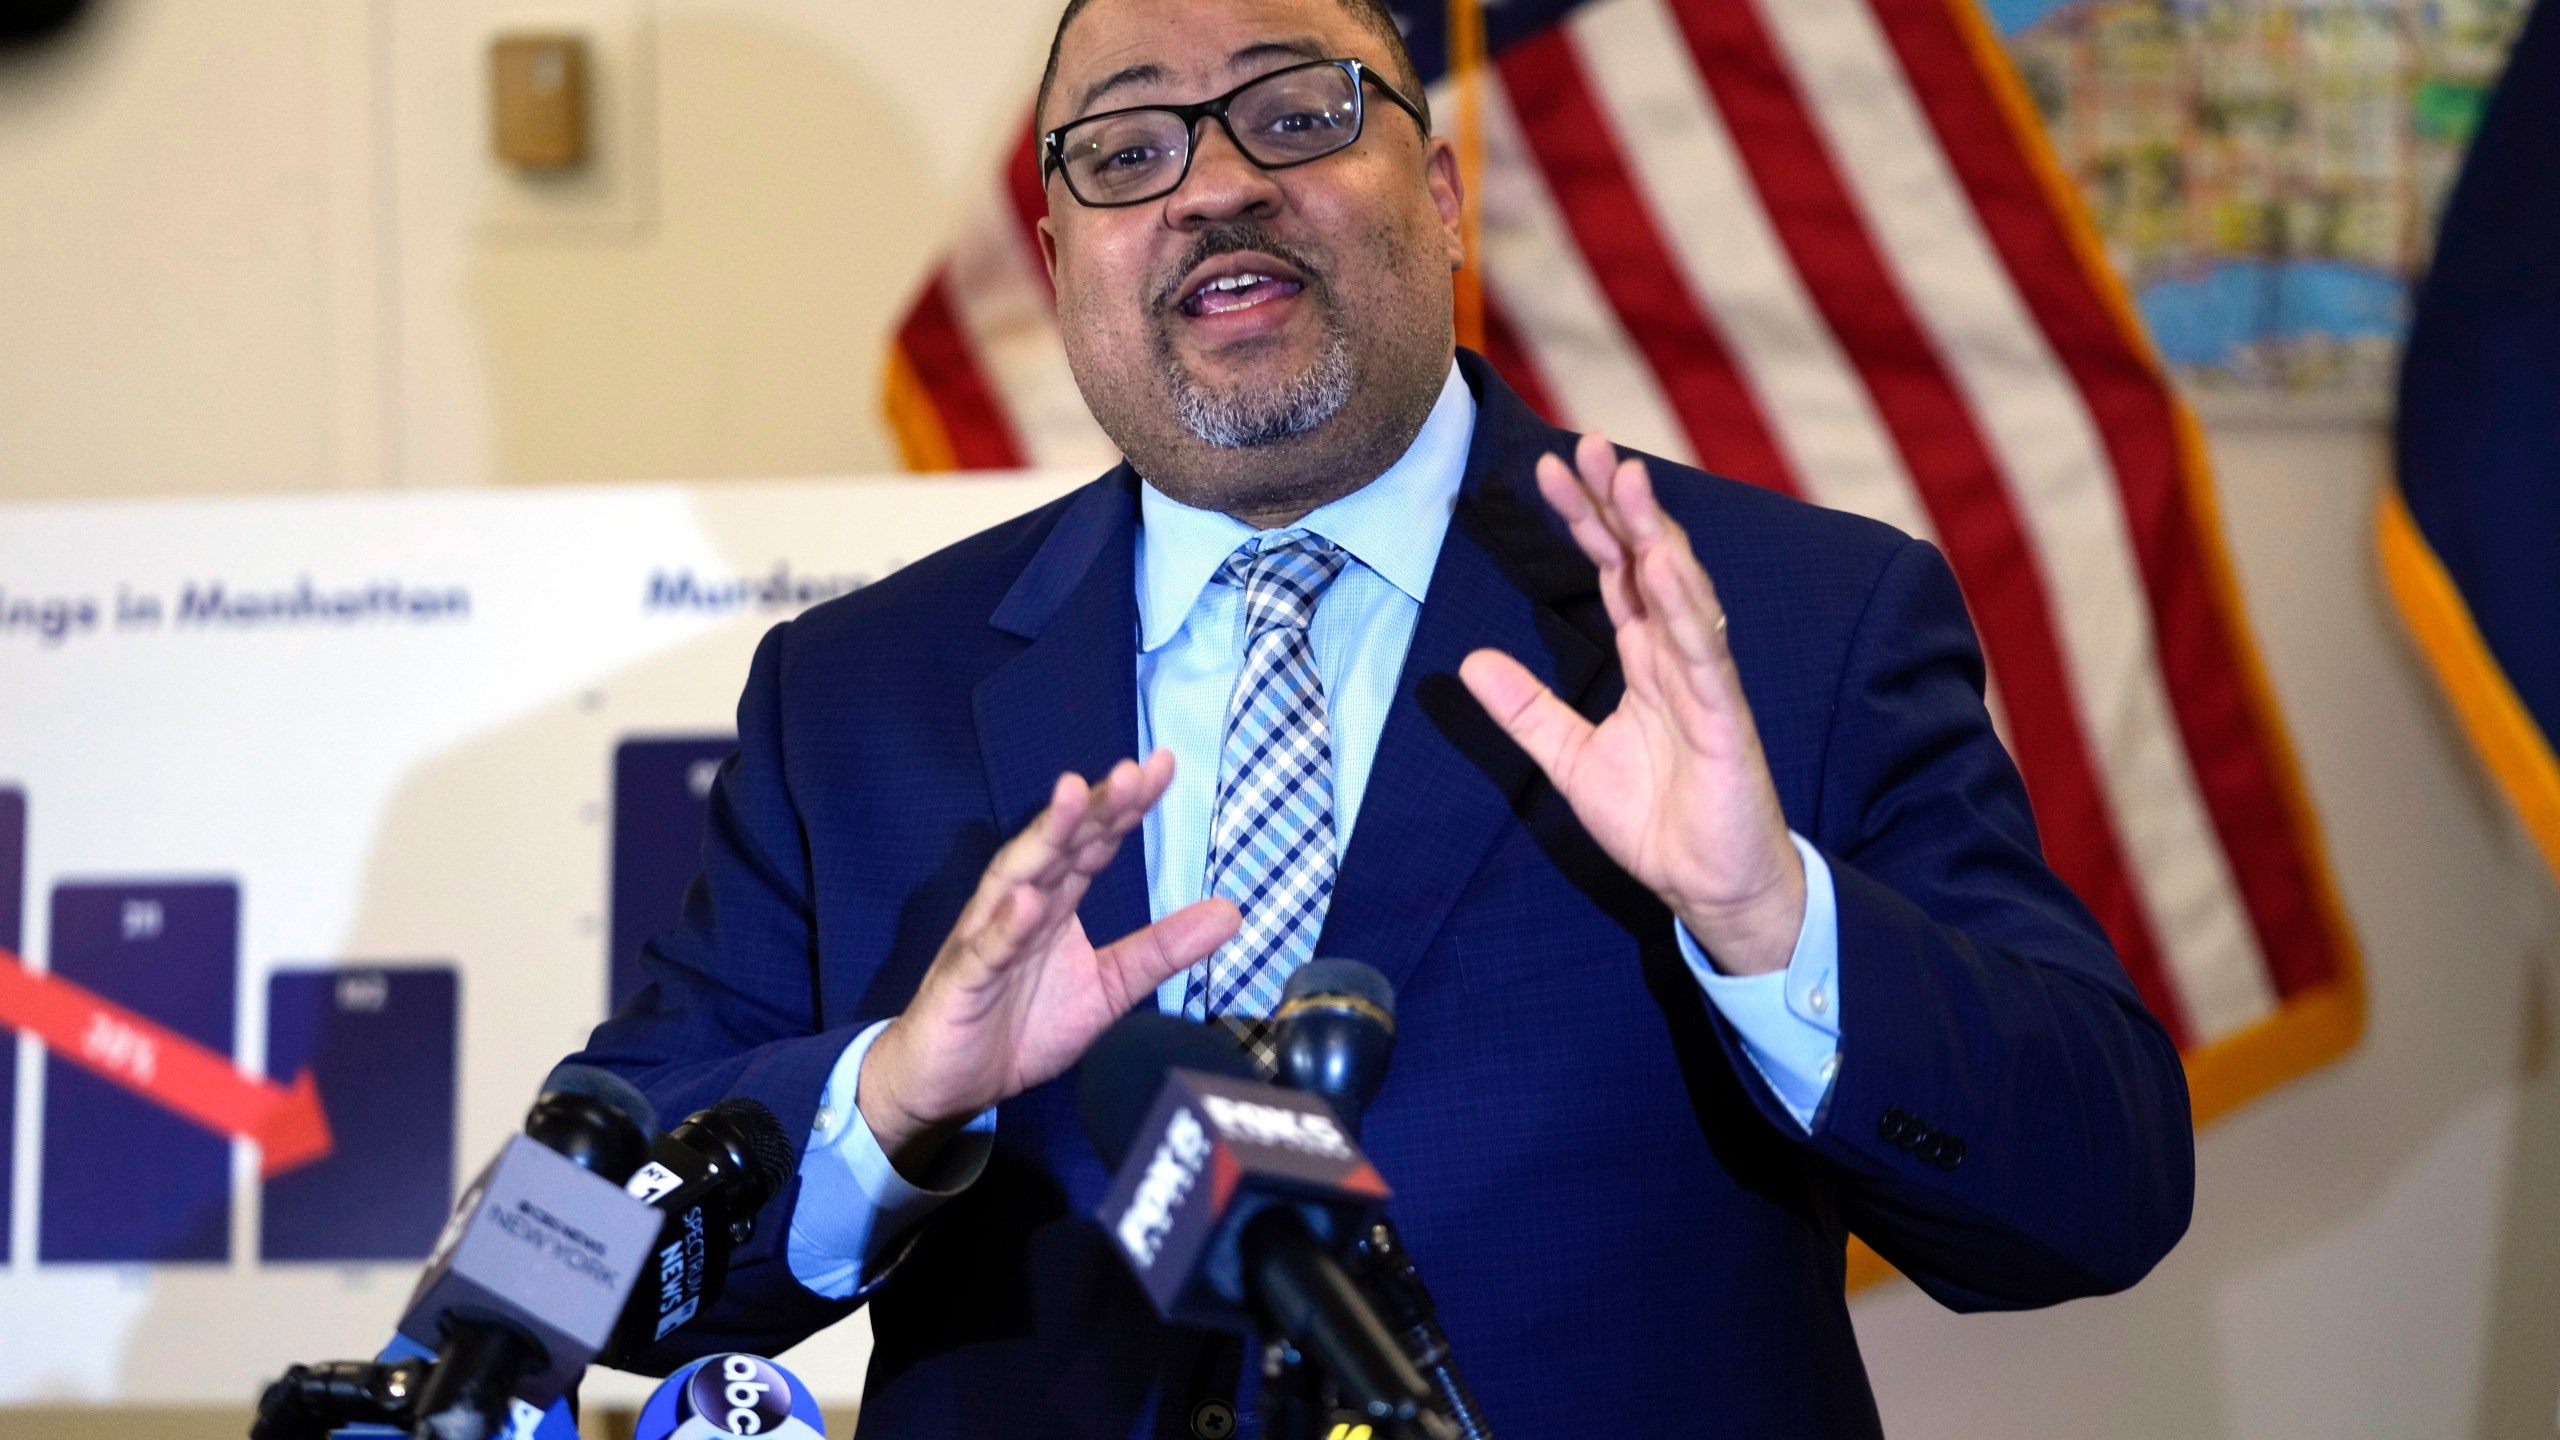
[2470, 539]
[1823, 246]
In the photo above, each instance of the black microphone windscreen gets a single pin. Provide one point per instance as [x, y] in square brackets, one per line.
[606, 1087]
[1124, 1072]
[1341, 977]
[768, 1148]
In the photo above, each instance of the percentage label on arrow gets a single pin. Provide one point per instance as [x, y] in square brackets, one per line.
[167, 1068]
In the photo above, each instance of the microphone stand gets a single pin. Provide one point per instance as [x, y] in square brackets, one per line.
[1309, 1303]
[476, 1370]
[1293, 1399]
[1298, 1404]
[1389, 1274]
[1335, 1031]
[463, 1395]
[313, 1401]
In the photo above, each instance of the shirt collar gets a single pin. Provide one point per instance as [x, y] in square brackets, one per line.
[1394, 524]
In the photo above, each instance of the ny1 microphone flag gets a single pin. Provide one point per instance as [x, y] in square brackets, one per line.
[2470, 541]
[1822, 245]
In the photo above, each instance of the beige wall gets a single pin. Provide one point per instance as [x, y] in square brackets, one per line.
[255, 246]
[258, 245]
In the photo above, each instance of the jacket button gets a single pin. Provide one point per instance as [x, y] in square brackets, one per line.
[1891, 1128]
[1950, 1152]
[1213, 1420]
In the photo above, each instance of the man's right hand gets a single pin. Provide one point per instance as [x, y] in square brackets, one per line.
[1017, 991]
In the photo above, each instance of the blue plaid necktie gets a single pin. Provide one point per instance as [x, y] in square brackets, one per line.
[1271, 836]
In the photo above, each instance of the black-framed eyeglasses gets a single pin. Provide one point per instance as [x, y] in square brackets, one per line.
[1287, 117]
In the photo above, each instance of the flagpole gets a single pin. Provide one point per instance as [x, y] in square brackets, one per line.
[1466, 67]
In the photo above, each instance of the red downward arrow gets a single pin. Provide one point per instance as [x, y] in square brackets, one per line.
[166, 1067]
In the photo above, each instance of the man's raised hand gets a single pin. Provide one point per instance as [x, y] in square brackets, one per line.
[1673, 784]
[1017, 991]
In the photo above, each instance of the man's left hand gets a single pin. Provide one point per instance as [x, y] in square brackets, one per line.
[1673, 784]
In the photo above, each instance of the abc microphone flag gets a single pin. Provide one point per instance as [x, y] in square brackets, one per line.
[730, 1395]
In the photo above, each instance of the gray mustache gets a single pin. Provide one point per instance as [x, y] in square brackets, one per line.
[1230, 240]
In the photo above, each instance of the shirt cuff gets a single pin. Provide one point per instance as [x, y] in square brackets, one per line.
[1789, 1020]
[853, 1202]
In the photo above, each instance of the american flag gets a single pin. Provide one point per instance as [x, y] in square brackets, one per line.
[1821, 245]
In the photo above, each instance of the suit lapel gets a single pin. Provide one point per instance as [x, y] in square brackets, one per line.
[1069, 700]
[1447, 780]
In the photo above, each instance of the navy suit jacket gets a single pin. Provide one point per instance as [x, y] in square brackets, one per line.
[1626, 1233]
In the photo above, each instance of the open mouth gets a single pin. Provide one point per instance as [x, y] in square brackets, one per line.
[1236, 282]
[1238, 292]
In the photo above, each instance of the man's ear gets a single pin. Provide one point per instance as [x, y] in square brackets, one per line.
[1449, 197]
[1047, 230]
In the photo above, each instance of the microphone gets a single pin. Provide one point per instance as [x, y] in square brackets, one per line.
[1229, 1198]
[701, 1183]
[526, 1283]
[705, 1180]
[724, 1395]
[708, 1177]
[1334, 1033]
[595, 1118]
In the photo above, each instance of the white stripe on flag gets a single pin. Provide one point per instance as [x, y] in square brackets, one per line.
[2058, 476]
[1680, 152]
[1535, 272]
[1004, 307]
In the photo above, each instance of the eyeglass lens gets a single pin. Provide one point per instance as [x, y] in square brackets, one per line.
[1285, 118]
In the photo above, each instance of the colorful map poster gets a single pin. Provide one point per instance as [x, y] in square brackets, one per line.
[2266, 174]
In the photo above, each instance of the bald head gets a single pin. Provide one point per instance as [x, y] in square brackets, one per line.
[1371, 15]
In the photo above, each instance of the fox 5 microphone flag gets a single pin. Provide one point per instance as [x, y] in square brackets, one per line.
[1822, 245]
[2470, 539]
[724, 1395]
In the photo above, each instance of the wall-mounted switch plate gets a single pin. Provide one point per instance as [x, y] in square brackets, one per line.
[538, 100]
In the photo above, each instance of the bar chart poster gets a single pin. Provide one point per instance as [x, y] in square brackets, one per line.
[125, 1180]
[328, 826]
[381, 1042]
[661, 801]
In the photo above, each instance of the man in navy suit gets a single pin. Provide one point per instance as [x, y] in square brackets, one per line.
[1714, 906]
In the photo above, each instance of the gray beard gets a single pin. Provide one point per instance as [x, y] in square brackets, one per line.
[1246, 418]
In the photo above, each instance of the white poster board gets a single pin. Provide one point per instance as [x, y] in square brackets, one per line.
[353, 759]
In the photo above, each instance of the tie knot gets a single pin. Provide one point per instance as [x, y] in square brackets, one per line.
[1282, 581]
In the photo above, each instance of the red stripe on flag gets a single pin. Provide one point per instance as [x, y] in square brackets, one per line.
[1023, 195]
[1615, 229]
[946, 364]
[1503, 347]
[2130, 403]
[1819, 223]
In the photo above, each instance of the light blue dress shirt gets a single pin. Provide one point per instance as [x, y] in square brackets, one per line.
[1191, 634]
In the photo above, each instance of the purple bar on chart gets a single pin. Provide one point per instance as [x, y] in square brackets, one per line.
[124, 1180]
[13, 873]
[13, 936]
[380, 1040]
[661, 801]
